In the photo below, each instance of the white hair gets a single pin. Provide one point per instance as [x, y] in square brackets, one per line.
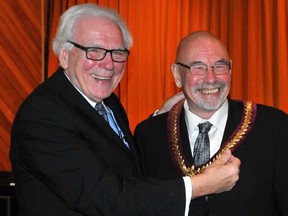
[69, 19]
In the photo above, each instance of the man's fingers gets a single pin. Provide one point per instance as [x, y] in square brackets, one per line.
[225, 157]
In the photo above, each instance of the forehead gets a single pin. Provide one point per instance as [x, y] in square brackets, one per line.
[205, 49]
[97, 30]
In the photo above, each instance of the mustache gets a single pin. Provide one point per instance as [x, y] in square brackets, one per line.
[217, 84]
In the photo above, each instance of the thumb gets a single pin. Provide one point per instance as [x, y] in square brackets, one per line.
[225, 157]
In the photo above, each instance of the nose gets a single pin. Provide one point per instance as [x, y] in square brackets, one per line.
[210, 76]
[107, 62]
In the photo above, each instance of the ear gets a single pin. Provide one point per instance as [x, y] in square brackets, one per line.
[176, 75]
[63, 58]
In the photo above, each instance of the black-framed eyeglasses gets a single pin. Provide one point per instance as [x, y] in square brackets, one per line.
[199, 68]
[98, 54]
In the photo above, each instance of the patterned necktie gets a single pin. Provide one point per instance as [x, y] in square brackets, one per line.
[102, 111]
[202, 144]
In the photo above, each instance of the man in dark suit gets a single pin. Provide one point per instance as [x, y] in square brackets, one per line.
[68, 159]
[256, 134]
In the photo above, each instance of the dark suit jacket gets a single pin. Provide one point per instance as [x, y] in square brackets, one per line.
[67, 161]
[262, 189]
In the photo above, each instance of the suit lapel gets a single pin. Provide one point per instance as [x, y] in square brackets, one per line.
[123, 122]
[121, 118]
[235, 113]
[185, 139]
[82, 108]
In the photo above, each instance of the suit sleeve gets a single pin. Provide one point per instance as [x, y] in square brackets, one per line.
[52, 148]
[281, 170]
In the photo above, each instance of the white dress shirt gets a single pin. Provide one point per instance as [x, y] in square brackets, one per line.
[218, 119]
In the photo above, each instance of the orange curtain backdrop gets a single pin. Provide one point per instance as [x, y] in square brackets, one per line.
[20, 63]
[254, 31]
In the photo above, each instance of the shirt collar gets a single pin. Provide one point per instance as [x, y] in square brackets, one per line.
[218, 119]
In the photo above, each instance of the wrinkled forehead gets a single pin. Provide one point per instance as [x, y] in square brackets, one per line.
[97, 26]
[198, 49]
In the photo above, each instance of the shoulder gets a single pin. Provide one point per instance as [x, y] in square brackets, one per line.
[153, 122]
[261, 108]
[270, 109]
[52, 98]
[271, 116]
[269, 112]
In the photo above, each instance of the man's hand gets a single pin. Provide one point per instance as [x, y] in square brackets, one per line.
[220, 176]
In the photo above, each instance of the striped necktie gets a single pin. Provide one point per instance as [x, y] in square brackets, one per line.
[109, 118]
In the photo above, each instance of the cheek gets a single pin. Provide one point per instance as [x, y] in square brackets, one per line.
[227, 80]
[117, 77]
[83, 67]
[189, 81]
[87, 64]
[118, 73]
[75, 63]
[226, 77]
[119, 67]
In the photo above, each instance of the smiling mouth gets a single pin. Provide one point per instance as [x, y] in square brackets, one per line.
[101, 77]
[209, 91]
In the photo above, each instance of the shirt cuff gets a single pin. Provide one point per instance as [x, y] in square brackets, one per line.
[188, 193]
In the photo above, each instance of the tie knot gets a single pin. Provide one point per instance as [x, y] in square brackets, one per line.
[101, 110]
[204, 127]
[100, 107]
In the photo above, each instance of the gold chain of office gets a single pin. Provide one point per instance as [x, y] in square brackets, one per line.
[233, 142]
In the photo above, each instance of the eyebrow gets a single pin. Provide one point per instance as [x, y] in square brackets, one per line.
[197, 62]
[101, 47]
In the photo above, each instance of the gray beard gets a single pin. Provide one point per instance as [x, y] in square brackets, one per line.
[211, 105]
